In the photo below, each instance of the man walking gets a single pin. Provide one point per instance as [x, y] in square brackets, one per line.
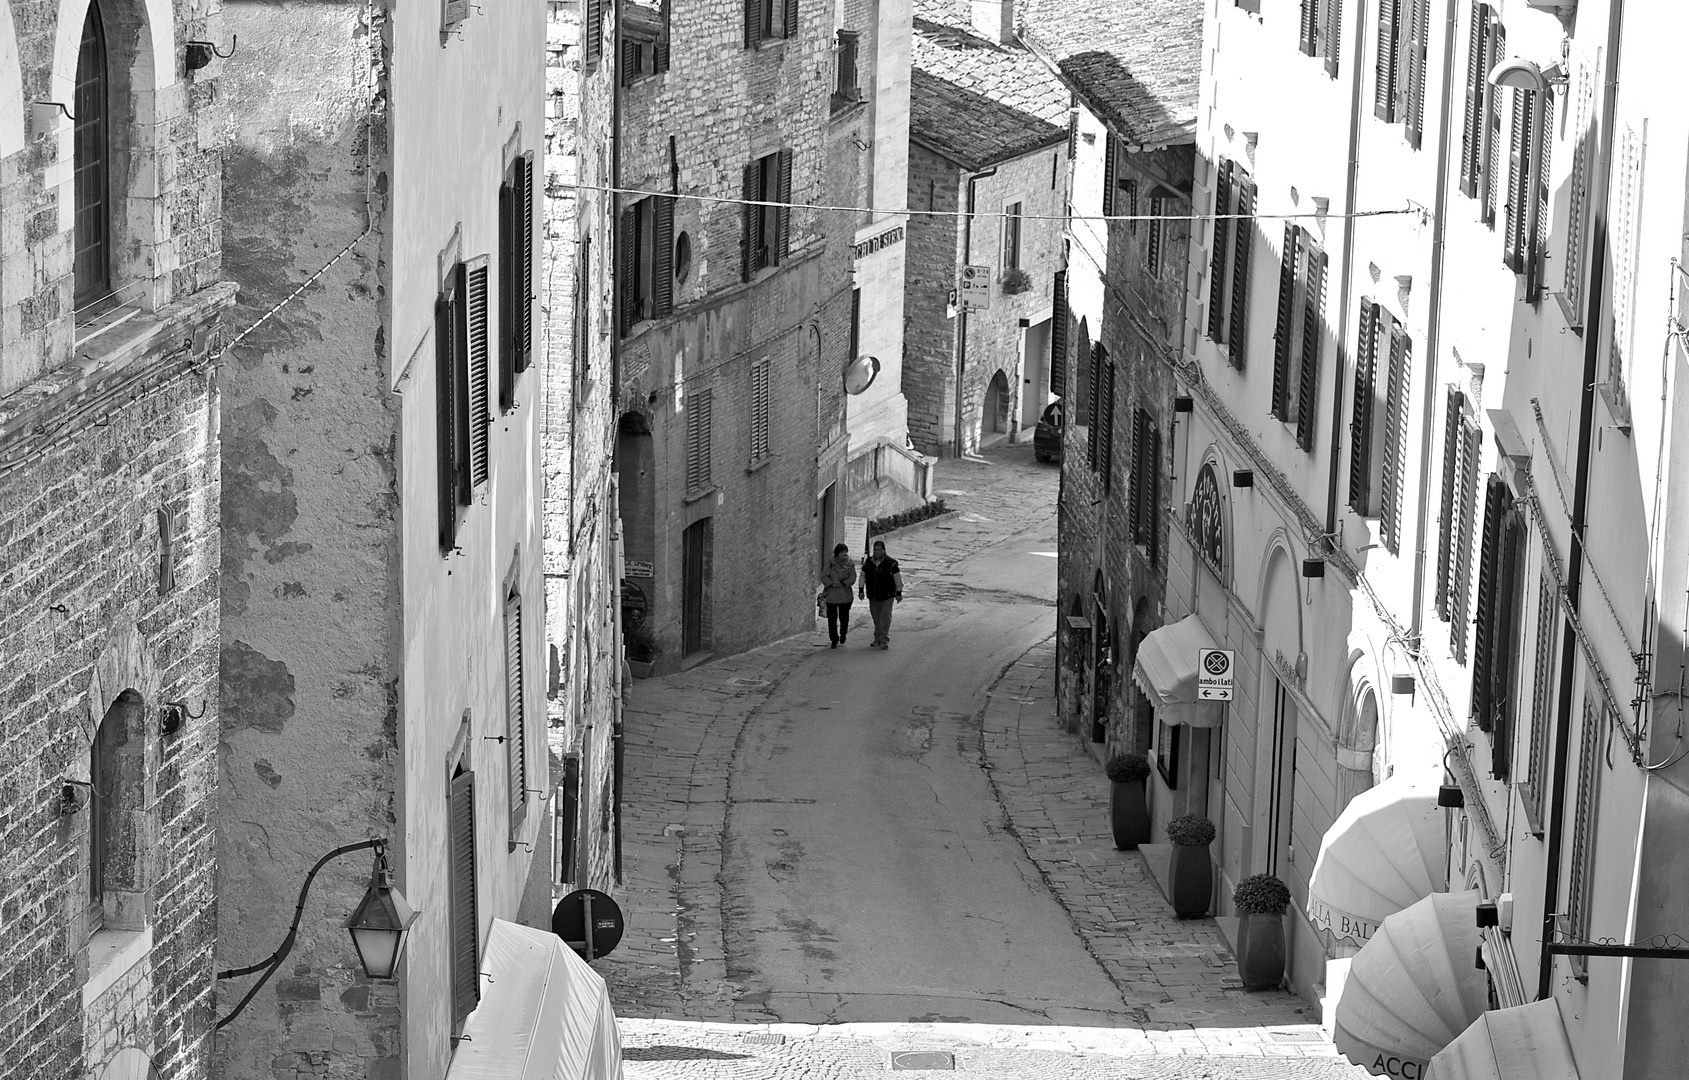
[882, 586]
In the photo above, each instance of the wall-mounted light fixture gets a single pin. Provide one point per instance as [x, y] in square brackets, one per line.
[1526, 75]
[1402, 684]
[199, 53]
[1184, 403]
[1313, 568]
[1243, 478]
[1450, 797]
[378, 925]
[74, 797]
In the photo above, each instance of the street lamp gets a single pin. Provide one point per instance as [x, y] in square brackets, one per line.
[378, 926]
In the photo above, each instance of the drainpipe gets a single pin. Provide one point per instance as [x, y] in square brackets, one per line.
[1602, 178]
[962, 310]
[1433, 336]
[1350, 183]
[615, 238]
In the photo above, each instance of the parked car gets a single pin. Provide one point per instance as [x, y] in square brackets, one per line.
[1046, 438]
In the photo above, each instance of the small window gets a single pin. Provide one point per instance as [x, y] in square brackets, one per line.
[769, 20]
[463, 933]
[1231, 242]
[1297, 338]
[682, 257]
[645, 289]
[759, 411]
[116, 766]
[768, 215]
[1011, 236]
[698, 448]
[1321, 28]
[846, 89]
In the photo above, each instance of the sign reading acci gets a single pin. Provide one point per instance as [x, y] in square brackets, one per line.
[975, 287]
[1214, 675]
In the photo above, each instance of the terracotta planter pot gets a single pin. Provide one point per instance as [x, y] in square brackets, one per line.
[1129, 814]
[1190, 880]
[1260, 951]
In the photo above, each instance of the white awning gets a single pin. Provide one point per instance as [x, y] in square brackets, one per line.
[1527, 1042]
[1166, 672]
[1386, 850]
[543, 1014]
[1413, 988]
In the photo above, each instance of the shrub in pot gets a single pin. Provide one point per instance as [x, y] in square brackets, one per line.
[1016, 281]
[1190, 872]
[1260, 901]
[1128, 812]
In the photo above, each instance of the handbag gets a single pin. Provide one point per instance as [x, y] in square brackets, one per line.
[821, 603]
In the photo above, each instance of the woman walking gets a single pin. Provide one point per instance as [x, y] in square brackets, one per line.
[836, 581]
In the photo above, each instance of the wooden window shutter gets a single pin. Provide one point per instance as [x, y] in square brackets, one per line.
[698, 440]
[465, 926]
[1578, 196]
[1542, 698]
[1501, 698]
[524, 261]
[1072, 134]
[445, 412]
[1282, 344]
[1152, 247]
[1108, 173]
[1135, 490]
[1243, 239]
[753, 221]
[753, 23]
[1411, 77]
[1096, 406]
[594, 18]
[1058, 335]
[464, 399]
[1308, 27]
[1448, 496]
[662, 258]
[1467, 494]
[1491, 179]
[1360, 422]
[1220, 250]
[759, 410]
[480, 407]
[507, 294]
[1536, 243]
[1518, 181]
[1106, 450]
[1489, 555]
[1580, 884]
[1472, 116]
[1152, 496]
[783, 219]
[515, 719]
[1385, 74]
[1130, 187]
[1395, 438]
[660, 53]
[791, 18]
[568, 818]
[1332, 46]
[627, 271]
[1307, 388]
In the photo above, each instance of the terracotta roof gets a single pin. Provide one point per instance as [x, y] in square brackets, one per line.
[974, 101]
[1136, 63]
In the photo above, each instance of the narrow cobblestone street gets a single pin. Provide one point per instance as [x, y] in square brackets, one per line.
[712, 974]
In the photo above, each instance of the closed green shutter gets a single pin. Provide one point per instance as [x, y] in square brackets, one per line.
[783, 219]
[1416, 30]
[1492, 122]
[594, 32]
[1282, 343]
[1152, 493]
[753, 221]
[524, 220]
[445, 413]
[1472, 116]
[1307, 25]
[463, 420]
[753, 23]
[480, 406]
[1501, 697]
[1536, 244]
[1518, 182]
[791, 18]
[1220, 250]
[1489, 556]
[1243, 239]
[698, 446]
[1394, 465]
[1307, 388]
[464, 944]
[662, 257]
[1093, 422]
[1106, 450]
[1058, 335]
[506, 295]
[1470, 445]
[1332, 36]
[1108, 173]
[1360, 421]
[1446, 507]
[1384, 67]
[515, 716]
[627, 271]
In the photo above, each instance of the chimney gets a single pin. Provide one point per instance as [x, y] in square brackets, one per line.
[994, 20]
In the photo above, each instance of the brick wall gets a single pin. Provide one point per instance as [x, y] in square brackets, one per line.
[930, 274]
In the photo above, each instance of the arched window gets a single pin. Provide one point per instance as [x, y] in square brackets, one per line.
[115, 768]
[93, 166]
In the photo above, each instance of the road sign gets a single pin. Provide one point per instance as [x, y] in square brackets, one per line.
[975, 287]
[584, 909]
[1214, 675]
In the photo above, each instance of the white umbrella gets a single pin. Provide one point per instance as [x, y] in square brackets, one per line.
[1386, 850]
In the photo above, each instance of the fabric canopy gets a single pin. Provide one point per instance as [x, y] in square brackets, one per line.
[1527, 1042]
[1386, 850]
[1166, 672]
[1413, 988]
[543, 1015]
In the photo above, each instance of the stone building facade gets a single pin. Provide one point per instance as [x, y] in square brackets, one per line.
[583, 525]
[110, 324]
[383, 664]
[728, 311]
[986, 143]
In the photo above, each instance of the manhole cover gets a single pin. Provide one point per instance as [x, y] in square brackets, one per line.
[922, 1059]
[1296, 1036]
[766, 1038]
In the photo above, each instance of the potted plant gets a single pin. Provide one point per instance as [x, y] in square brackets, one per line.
[1016, 281]
[1190, 873]
[1127, 810]
[1260, 901]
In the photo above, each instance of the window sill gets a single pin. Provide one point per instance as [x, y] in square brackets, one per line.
[700, 496]
[770, 44]
[759, 464]
[842, 108]
[112, 954]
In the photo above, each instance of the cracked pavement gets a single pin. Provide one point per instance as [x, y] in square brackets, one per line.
[832, 855]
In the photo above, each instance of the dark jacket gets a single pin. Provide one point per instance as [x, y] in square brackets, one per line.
[879, 582]
[837, 579]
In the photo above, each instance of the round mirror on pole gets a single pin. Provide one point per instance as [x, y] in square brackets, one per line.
[859, 374]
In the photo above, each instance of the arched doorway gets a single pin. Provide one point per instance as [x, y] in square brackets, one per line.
[1357, 735]
[635, 481]
[994, 421]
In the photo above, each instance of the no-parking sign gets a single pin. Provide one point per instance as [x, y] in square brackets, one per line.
[1214, 674]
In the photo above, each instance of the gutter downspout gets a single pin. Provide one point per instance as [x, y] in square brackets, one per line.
[1350, 184]
[1580, 494]
[961, 306]
[615, 231]
[1433, 337]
